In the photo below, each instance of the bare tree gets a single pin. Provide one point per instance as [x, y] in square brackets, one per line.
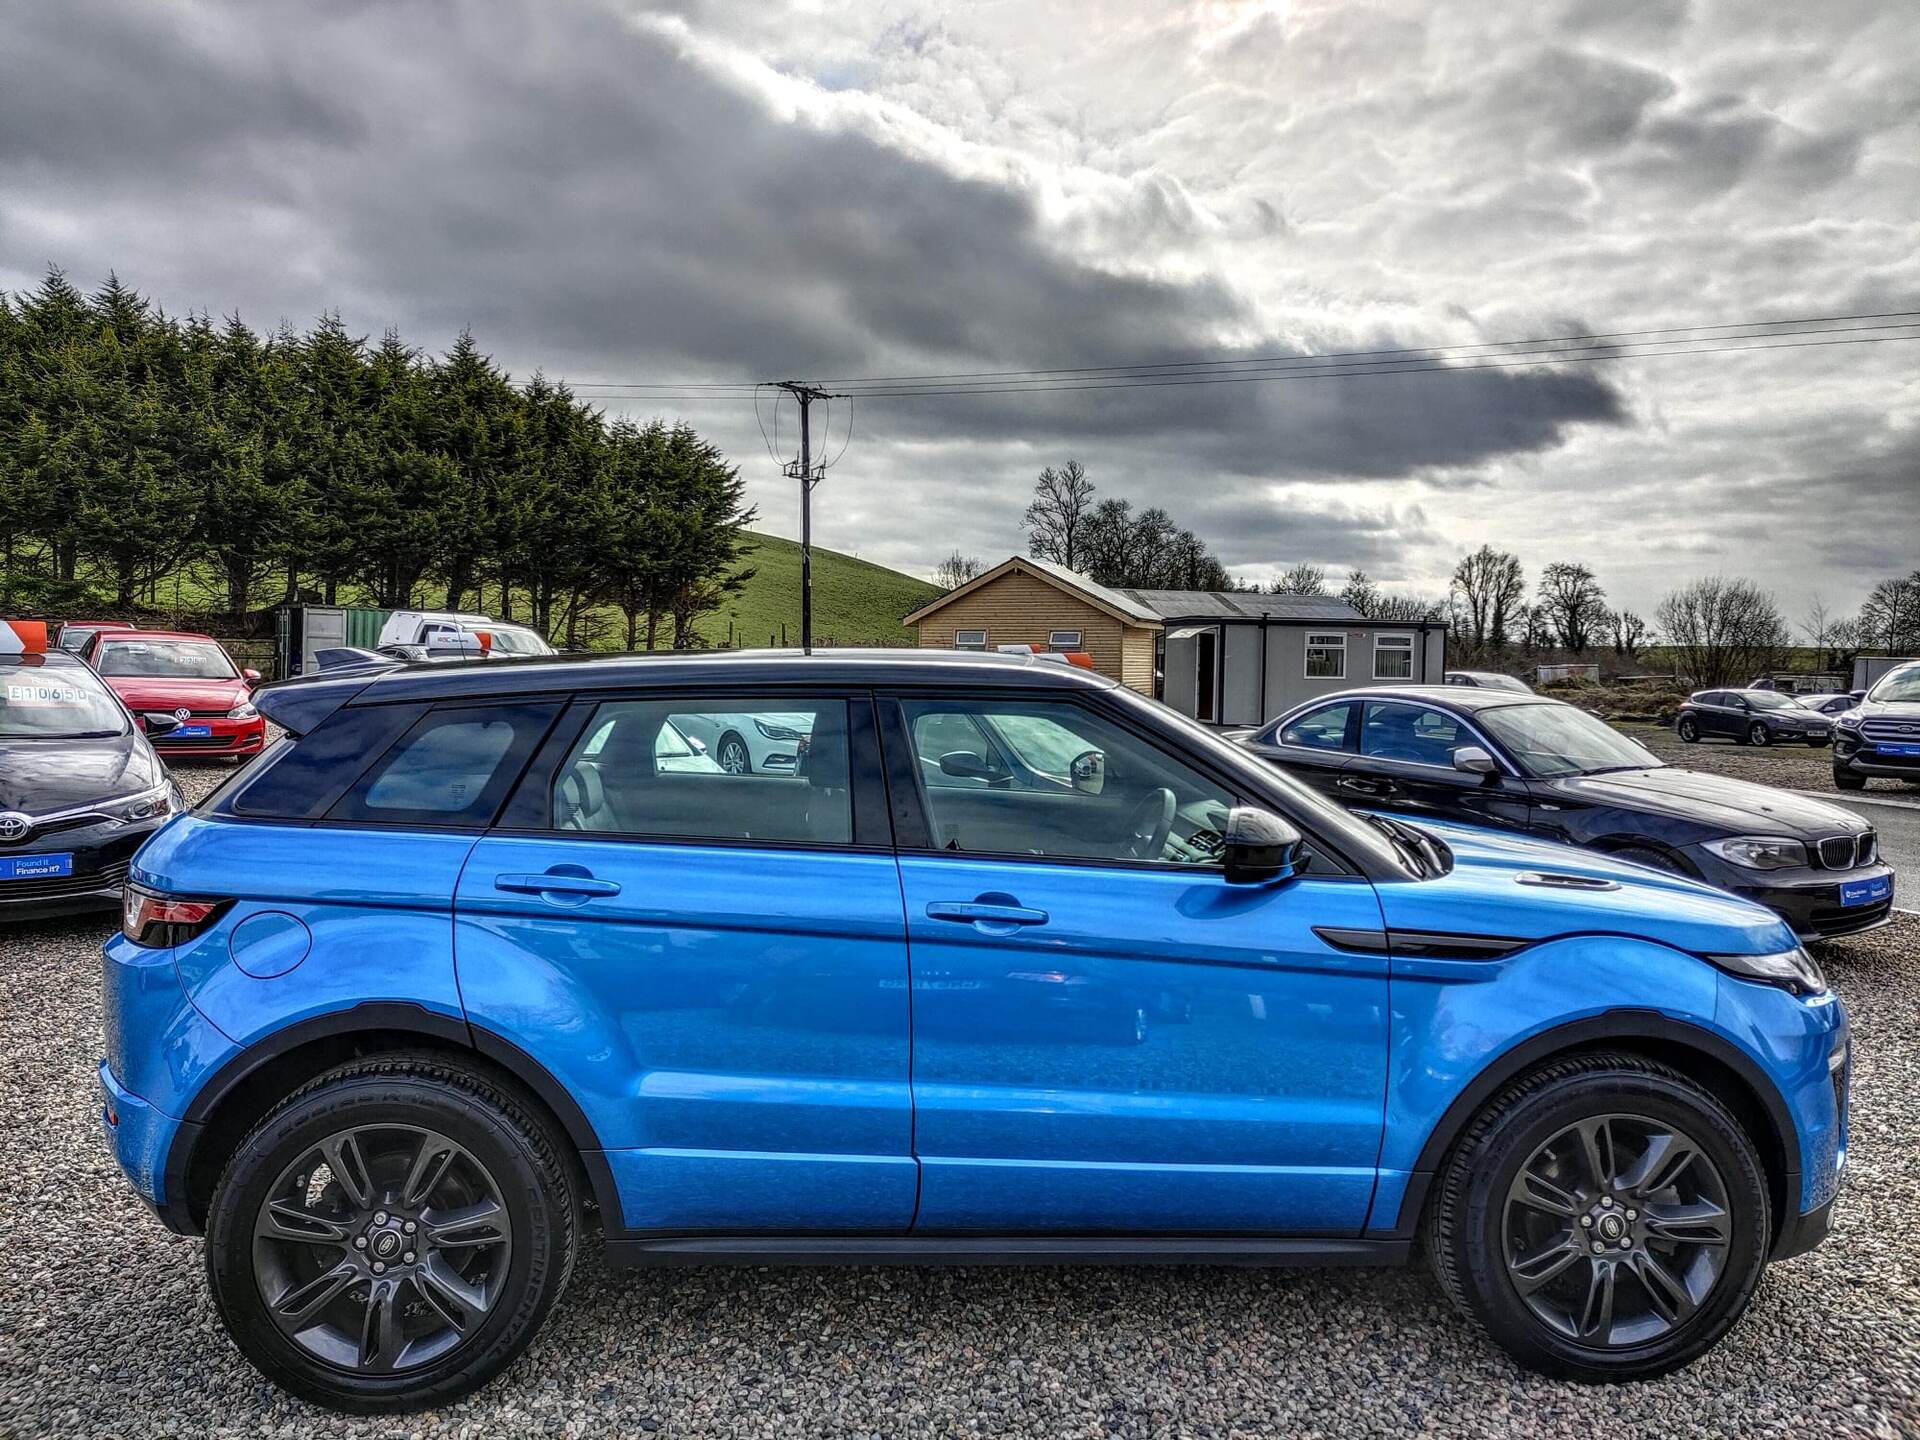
[1723, 632]
[1376, 604]
[1302, 579]
[1573, 602]
[1360, 592]
[1891, 617]
[1056, 517]
[956, 570]
[1629, 632]
[1490, 587]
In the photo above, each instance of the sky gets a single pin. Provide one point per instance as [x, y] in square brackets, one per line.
[724, 190]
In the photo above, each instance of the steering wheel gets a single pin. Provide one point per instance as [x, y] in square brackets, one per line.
[1148, 826]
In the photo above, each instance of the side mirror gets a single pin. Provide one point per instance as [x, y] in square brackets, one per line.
[252, 677]
[1857, 695]
[1088, 772]
[152, 724]
[1474, 760]
[965, 765]
[1259, 847]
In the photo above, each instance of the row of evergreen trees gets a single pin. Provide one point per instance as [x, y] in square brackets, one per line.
[133, 444]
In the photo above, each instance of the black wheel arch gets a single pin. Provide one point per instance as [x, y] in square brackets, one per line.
[232, 1101]
[1699, 1054]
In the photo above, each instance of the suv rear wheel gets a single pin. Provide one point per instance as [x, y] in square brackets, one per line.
[391, 1236]
[1603, 1219]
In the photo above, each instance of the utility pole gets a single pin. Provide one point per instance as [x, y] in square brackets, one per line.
[809, 475]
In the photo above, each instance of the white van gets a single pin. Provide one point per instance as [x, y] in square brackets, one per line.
[439, 634]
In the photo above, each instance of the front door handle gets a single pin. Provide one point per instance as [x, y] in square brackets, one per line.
[1366, 786]
[975, 912]
[556, 884]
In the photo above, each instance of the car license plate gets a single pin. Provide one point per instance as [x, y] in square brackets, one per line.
[35, 867]
[1886, 749]
[188, 732]
[1866, 892]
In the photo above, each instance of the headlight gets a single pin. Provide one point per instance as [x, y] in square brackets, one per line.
[1849, 720]
[161, 800]
[776, 732]
[1793, 970]
[1760, 852]
[243, 711]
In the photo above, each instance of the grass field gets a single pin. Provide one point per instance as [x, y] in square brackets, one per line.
[854, 602]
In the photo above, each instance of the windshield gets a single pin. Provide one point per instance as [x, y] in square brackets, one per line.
[512, 640]
[1552, 739]
[66, 702]
[173, 659]
[1900, 685]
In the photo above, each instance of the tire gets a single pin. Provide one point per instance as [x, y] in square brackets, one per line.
[1688, 729]
[732, 755]
[1847, 780]
[482, 1286]
[1646, 855]
[1472, 1243]
[1758, 734]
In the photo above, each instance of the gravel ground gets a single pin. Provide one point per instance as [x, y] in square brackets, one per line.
[105, 1328]
[1797, 767]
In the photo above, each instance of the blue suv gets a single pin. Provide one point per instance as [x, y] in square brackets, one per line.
[1012, 965]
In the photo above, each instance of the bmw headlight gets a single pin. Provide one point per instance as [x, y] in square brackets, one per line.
[1759, 852]
[243, 711]
[1793, 970]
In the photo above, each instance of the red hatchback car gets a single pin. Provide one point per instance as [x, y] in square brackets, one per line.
[189, 677]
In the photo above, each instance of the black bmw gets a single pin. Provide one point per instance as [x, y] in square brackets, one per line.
[80, 788]
[1527, 763]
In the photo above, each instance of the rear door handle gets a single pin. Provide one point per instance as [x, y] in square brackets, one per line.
[556, 885]
[1366, 786]
[968, 912]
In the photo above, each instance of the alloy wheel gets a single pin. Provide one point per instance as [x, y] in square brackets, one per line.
[1616, 1231]
[733, 756]
[1758, 734]
[382, 1248]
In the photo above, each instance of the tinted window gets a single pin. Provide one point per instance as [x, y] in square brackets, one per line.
[1040, 779]
[451, 769]
[1412, 733]
[710, 770]
[1552, 739]
[1322, 729]
[300, 779]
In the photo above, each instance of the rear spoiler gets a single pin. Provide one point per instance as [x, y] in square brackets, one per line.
[299, 704]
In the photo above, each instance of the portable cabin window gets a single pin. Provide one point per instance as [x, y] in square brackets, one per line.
[1326, 656]
[1393, 657]
[969, 639]
[1063, 639]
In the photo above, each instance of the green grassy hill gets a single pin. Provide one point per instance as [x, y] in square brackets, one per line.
[854, 602]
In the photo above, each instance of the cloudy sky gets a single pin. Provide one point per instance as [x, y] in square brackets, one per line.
[721, 190]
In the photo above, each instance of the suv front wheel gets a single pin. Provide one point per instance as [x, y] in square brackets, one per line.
[391, 1235]
[1604, 1218]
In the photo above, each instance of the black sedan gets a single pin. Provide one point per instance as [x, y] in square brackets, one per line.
[1542, 767]
[1751, 717]
[80, 787]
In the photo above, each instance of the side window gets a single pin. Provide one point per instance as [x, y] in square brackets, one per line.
[1413, 733]
[452, 768]
[776, 771]
[1322, 729]
[1059, 780]
[305, 776]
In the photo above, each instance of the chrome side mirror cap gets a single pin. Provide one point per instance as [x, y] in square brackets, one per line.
[1475, 760]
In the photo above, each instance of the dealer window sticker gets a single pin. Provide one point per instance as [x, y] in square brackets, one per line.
[45, 694]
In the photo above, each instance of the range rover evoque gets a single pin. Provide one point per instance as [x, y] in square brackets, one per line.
[1016, 965]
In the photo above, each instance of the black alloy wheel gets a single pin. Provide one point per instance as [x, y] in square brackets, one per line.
[391, 1235]
[1617, 1231]
[381, 1248]
[1689, 729]
[1758, 734]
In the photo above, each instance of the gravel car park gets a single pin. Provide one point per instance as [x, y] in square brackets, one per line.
[108, 1328]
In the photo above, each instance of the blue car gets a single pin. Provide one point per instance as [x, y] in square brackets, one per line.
[1014, 965]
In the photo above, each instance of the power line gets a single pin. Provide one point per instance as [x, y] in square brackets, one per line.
[1906, 317]
[1354, 371]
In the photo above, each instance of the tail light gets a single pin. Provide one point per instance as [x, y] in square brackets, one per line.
[159, 920]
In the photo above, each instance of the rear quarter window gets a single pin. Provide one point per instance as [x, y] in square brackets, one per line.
[452, 768]
[300, 779]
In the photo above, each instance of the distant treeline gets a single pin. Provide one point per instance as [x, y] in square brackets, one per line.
[135, 443]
